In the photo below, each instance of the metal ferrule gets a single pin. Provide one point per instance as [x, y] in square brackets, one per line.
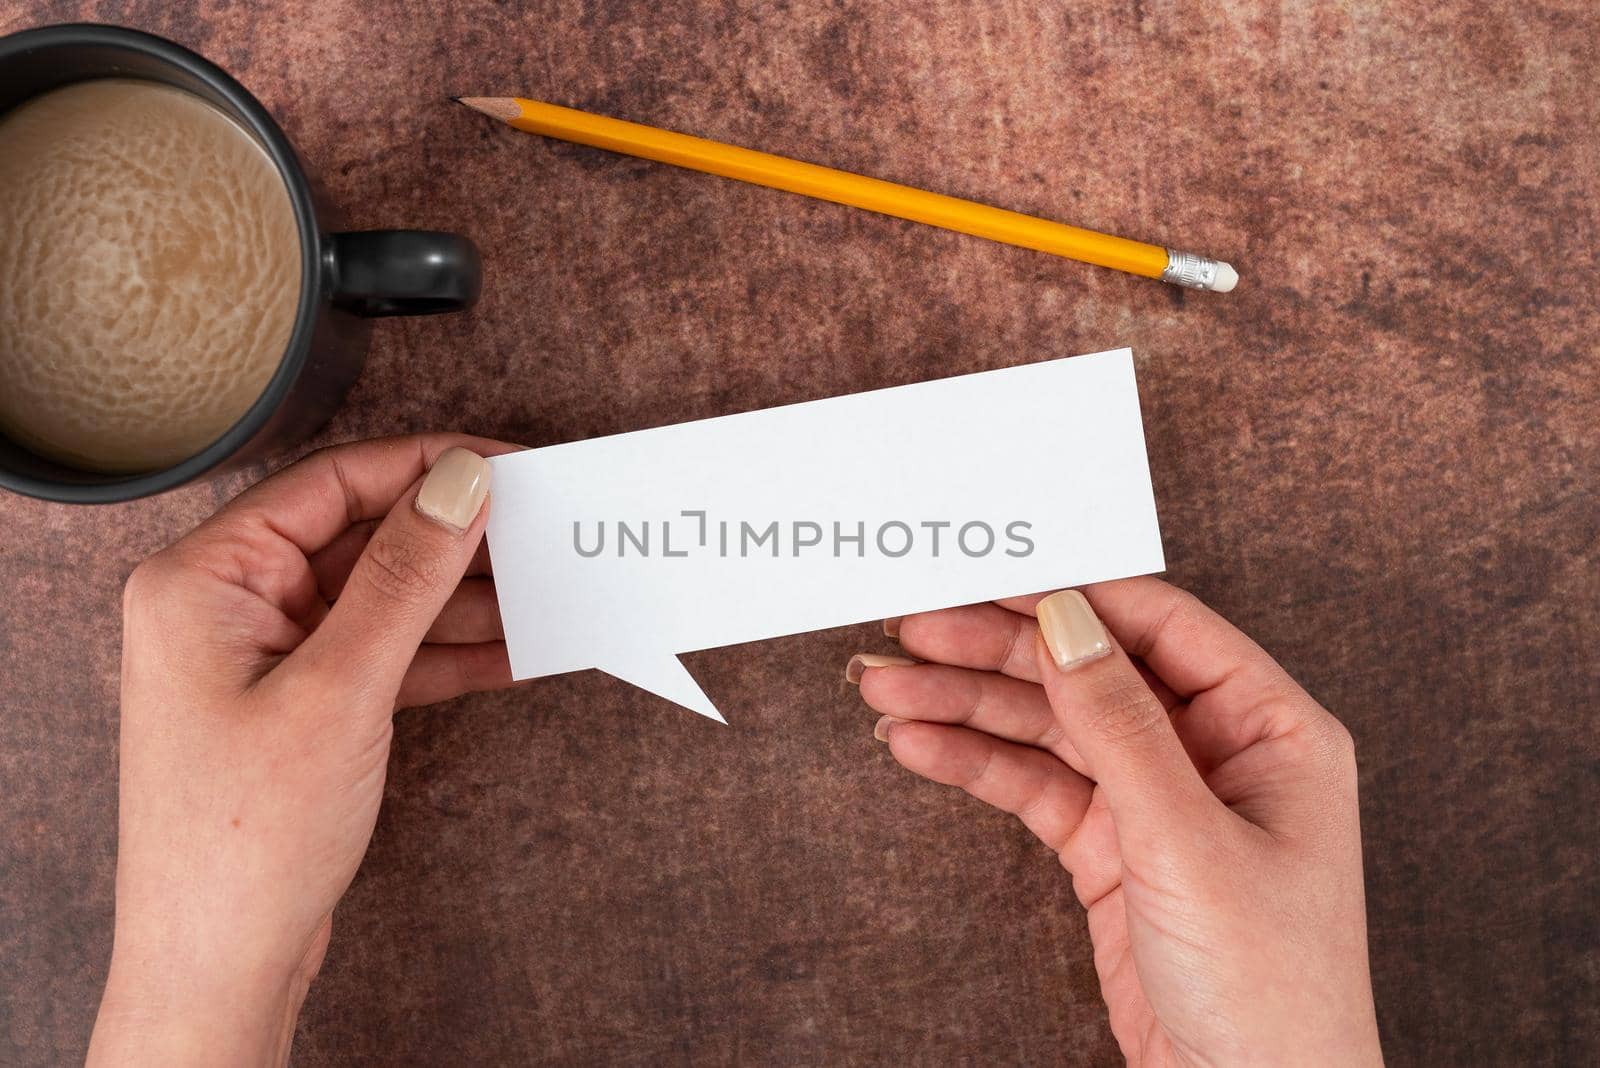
[1189, 269]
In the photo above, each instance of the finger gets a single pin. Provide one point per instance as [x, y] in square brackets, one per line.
[1169, 700]
[311, 502]
[1127, 1006]
[1112, 719]
[981, 636]
[990, 637]
[253, 559]
[262, 538]
[481, 564]
[1189, 647]
[1092, 854]
[1026, 605]
[985, 638]
[1007, 708]
[1046, 795]
[333, 562]
[408, 571]
[1013, 711]
[472, 614]
[441, 672]
[1238, 695]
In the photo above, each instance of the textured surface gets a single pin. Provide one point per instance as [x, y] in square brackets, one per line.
[1378, 456]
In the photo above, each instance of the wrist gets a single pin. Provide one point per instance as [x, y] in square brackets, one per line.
[183, 1008]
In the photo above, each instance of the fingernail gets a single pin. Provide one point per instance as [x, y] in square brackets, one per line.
[891, 626]
[1072, 631]
[861, 661]
[454, 489]
[880, 730]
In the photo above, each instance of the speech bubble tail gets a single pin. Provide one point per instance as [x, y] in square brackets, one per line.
[665, 676]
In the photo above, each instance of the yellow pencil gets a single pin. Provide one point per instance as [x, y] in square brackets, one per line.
[873, 194]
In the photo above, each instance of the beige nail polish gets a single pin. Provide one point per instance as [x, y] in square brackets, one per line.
[891, 626]
[880, 730]
[1072, 631]
[861, 661]
[455, 488]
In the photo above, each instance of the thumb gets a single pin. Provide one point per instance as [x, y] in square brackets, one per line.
[407, 572]
[1120, 728]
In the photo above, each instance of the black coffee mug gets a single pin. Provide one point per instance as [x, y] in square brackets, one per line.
[345, 278]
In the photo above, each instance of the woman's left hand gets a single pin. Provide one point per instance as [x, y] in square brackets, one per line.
[263, 657]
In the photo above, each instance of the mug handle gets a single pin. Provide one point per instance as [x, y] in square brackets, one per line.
[403, 272]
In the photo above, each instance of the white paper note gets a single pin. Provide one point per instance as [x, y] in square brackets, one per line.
[620, 552]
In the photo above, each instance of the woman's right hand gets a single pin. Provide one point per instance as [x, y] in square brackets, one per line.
[1204, 804]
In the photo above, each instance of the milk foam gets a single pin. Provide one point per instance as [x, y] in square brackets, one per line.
[149, 274]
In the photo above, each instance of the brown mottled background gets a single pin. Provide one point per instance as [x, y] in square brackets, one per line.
[1380, 456]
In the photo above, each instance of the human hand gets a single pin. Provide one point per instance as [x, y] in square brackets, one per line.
[1204, 804]
[256, 721]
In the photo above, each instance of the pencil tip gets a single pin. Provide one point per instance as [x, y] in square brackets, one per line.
[503, 108]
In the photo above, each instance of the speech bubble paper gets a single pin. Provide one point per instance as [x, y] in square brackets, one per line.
[618, 553]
